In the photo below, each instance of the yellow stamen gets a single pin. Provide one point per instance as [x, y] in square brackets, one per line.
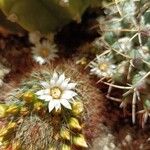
[55, 92]
[103, 66]
[44, 52]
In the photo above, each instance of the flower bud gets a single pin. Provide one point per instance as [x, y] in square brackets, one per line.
[13, 109]
[80, 141]
[38, 106]
[1, 140]
[7, 130]
[16, 145]
[3, 109]
[52, 148]
[65, 134]
[77, 108]
[3, 132]
[24, 111]
[74, 123]
[4, 145]
[11, 125]
[83, 61]
[28, 96]
[66, 147]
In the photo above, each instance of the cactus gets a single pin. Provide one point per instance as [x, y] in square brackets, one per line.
[45, 15]
[124, 65]
[8, 27]
[39, 124]
[57, 106]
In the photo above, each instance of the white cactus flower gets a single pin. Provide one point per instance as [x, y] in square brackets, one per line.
[44, 52]
[102, 67]
[57, 92]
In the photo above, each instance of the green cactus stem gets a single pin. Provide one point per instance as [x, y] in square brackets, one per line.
[43, 15]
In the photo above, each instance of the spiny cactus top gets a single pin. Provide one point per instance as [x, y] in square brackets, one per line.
[51, 109]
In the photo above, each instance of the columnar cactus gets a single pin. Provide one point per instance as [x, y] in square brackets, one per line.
[45, 15]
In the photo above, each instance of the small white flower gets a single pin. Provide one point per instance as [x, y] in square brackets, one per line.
[57, 92]
[43, 52]
[102, 67]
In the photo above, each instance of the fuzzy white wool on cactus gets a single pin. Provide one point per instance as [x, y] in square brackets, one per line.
[57, 92]
[102, 67]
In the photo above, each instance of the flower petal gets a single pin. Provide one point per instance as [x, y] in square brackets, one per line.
[68, 94]
[45, 97]
[45, 84]
[71, 86]
[55, 76]
[60, 79]
[65, 103]
[39, 59]
[65, 83]
[42, 92]
[51, 106]
[52, 82]
[57, 104]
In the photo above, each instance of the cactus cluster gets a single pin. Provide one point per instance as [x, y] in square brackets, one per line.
[33, 121]
[57, 106]
[123, 59]
[45, 15]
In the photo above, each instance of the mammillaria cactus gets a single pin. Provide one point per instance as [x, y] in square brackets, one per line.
[51, 109]
[125, 62]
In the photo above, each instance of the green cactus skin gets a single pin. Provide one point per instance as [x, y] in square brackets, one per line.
[9, 26]
[44, 15]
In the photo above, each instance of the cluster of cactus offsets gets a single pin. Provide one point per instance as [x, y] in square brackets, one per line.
[45, 15]
[123, 62]
[50, 110]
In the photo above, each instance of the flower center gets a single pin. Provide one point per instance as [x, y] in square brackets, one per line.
[103, 66]
[55, 92]
[44, 52]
